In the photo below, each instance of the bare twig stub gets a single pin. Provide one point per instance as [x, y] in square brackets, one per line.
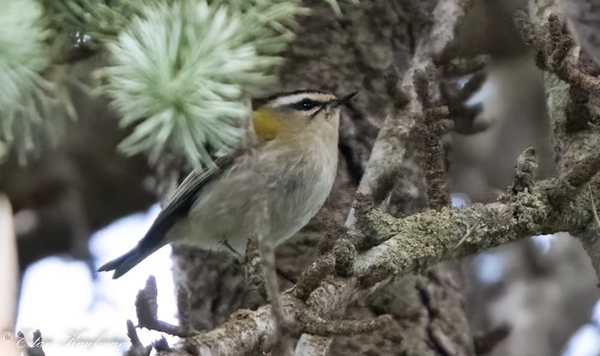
[137, 348]
[146, 308]
[525, 171]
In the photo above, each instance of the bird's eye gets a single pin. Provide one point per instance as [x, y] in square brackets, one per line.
[305, 105]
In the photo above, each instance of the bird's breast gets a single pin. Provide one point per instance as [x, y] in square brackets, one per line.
[298, 187]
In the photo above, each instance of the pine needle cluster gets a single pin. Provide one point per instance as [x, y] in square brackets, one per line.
[180, 72]
[25, 96]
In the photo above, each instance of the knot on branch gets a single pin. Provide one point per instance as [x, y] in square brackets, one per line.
[525, 172]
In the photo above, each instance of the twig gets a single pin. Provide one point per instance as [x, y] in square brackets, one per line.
[137, 348]
[455, 95]
[447, 14]
[315, 325]
[554, 51]
[35, 348]
[429, 130]
[580, 173]
[467, 234]
[146, 308]
[161, 345]
[525, 171]
[314, 275]
[487, 342]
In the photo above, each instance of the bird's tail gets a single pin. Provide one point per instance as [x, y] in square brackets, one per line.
[123, 264]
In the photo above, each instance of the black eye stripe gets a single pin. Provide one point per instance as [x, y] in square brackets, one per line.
[306, 105]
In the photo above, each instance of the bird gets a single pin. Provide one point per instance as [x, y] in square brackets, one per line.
[290, 168]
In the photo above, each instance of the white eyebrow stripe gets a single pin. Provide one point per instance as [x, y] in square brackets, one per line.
[291, 99]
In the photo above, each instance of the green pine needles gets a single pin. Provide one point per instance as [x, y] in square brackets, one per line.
[25, 100]
[181, 72]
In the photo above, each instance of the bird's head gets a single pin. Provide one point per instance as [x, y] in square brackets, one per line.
[296, 113]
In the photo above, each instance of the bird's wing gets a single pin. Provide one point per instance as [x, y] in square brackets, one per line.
[182, 200]
[178, 207]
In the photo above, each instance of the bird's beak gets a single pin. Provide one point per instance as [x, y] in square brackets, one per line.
[344, 100]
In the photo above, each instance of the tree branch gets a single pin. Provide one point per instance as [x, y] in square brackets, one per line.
[411, 244]
[572, 110]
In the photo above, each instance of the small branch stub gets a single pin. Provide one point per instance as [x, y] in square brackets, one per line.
[146, 308]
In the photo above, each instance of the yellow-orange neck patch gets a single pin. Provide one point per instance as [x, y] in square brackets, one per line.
[266, 125]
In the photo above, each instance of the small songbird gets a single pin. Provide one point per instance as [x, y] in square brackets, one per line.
[296, 152]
